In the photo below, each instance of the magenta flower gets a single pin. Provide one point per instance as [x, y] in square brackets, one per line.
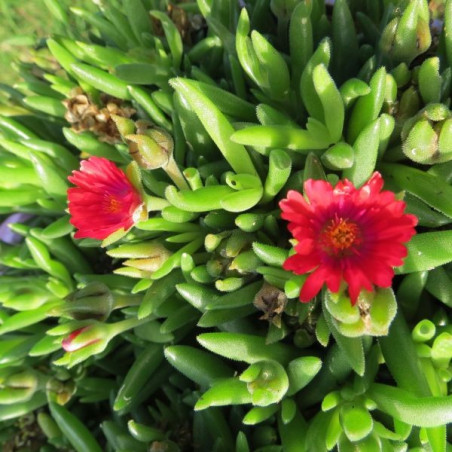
[346, 234]
[103, 201]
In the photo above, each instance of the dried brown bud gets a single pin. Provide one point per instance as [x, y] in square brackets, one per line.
[272, 302]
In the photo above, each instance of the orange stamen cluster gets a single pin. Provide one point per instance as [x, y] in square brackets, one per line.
[114, 205]
[340, 236]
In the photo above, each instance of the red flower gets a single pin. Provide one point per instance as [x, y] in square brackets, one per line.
[344, 233]
[103, 201]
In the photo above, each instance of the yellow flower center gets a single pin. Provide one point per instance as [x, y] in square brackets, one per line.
[339, 236]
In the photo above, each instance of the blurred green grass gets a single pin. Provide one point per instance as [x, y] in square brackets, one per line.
[21, 24]
[25, 24]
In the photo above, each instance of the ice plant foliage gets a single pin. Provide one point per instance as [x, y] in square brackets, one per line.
[103, 201]
[218, 107]
[346, 234]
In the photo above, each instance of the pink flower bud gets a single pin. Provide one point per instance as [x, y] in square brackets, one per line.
[83, 337]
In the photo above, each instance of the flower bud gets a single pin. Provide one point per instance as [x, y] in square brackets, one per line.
[125, 126]
[162, 138]
[89, 339]
[152, 148]
[25, 379]
[59, 391]
[147, 153]
[94, 301]
[18, 387]
[84, 337]
[142, 126]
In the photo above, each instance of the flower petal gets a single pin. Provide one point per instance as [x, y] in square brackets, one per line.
[319, 192]
[313, 284]
[356, 280]
[300, 264]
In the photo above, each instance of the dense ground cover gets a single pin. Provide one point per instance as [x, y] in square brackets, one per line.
[226, 227]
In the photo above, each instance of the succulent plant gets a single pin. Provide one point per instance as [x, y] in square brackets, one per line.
[169, 305]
